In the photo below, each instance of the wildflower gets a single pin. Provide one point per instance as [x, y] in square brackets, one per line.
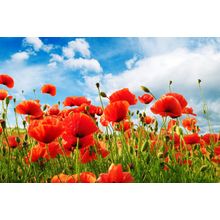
[167, 106]
[80, 128]
[146, 98]
[192, 138]
[189, 123]
[188, 110]
[84, 177]
[6, 80]
[123, 95]
[115, 175]
[53, 110]
[76, 101]
[45, 130]
[116, 111]
[49, 89]
[179, 97]
[13, 141]
[148, 120]
[29, 107]
[3, 94]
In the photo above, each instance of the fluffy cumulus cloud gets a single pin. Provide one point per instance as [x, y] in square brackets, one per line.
[181, 65]
[83, 62]
[37, 44]
[131, 62]
[19, 57]
[79, 45]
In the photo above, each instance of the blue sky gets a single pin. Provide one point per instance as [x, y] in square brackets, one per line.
[74, 65]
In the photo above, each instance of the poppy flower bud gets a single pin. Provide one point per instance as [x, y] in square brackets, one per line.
[22, 91]
[103, 95]
[4, 115]
[25, 137]
[34, 90]
[58, 102]
[199, 81]
[7, 100]
[137, 112]
[203, 168]
[24, 123]
[44, 107]
[97, 85]
[3, 124]
[145, 89]
[14, 99]
[18, 140]
[156, 126]
[170, 83]
[87, 108]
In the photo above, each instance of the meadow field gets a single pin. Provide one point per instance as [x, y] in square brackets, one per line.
[74, 141]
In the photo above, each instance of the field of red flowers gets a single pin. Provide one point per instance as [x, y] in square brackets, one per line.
[78, 142]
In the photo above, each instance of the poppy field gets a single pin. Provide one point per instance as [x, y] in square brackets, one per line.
[74, 141]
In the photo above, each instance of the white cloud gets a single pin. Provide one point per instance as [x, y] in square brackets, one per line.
[79, 45]
[52, 65]
[131, 62]
[68, 52]
[83, 64]
[19, 57]
[56, 58]
[183, 66]
[37, 44]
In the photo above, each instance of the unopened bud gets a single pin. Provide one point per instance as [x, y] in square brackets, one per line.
[199, 81]
[103, 94]
[7, 100]
[145, 89]
[170, 83]
[97, 85]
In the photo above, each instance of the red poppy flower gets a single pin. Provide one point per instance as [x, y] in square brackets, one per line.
[52, 150]
[29, 107]
[79, 126]
[49, 89]
[171, 124]
[76, 101]
[35, 154]
[123, 95]
[179, 97]
[63, 178]
[146, 98]
[45, 130]
[123, 125]
[89, 109]
[192, 138]
[217, 151]
[90, 153]
[167, 106]
[103, 121]
[115, 175]
[12, 141]
[148, 120]
[189, 123]
[6, 80]
[188, 110]
[3, 94]
[211, 138]
[116, 111]
[84, 177]
[53, 110]
[1, 130]
[87, 177]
